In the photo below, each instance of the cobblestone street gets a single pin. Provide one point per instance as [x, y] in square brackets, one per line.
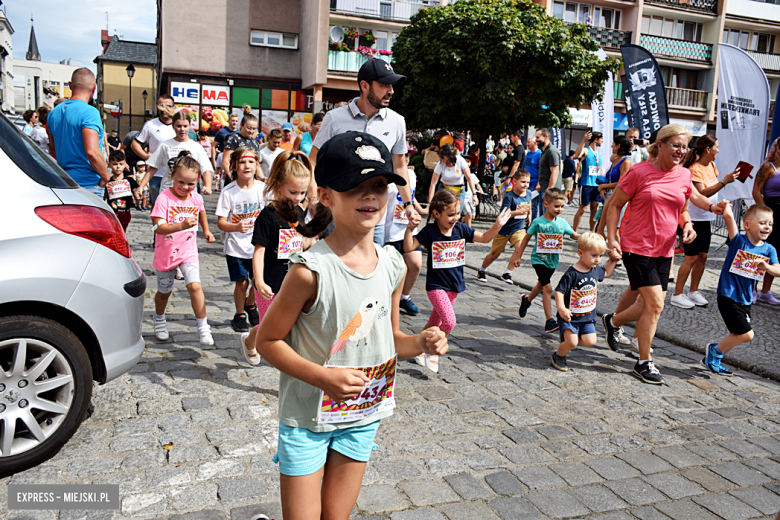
[498, 434]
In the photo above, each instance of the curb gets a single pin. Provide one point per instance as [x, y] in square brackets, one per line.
[755, 369]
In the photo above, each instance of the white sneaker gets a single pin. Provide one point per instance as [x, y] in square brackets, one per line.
[420, 360]
[635, 344]
[682, 301]
[252, 359]
[160, 330]
[621, 337]
[205, 335]
[432, 362]
[697, 298]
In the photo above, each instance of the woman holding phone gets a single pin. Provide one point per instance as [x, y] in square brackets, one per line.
[701, 161]
[766, 190]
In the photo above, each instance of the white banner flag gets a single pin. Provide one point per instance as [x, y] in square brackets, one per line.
[603, 117]
[742, 114]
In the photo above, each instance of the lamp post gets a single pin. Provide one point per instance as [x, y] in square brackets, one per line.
[144, 95]
[130, 73]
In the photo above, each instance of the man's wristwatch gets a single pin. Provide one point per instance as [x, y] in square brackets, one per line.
[407, 204]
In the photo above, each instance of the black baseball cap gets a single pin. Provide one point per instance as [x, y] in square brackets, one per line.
[379, 70]
[350, 158]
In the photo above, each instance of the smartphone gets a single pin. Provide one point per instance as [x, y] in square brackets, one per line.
[639, 142]
[744, 171]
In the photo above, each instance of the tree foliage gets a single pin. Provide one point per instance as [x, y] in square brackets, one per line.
[493, 66]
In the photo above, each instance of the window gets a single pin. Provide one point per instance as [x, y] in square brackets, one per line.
[571, 13]
[385, 10]
[681, 78]
[579, 13]
[558, 10]
[763, 42]
[680, 29]
[269, 39]
[584, 13]
[381, 40]
[688, 31]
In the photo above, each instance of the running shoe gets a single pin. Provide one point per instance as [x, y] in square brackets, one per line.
[252, 359]
[524, 304]
[711, 354]
[610, 331]
[409, 307]
[647, 373]
[620, 336]
[204, 332]
[160, 330]
[420, 360]
[717, 368]
[481, 276]
[252, 315]
[768, 297]
[432, 362]
[559, 362]
[239, 323]
[507, 277]
[682, 301]
[698, 299]
[551, 326]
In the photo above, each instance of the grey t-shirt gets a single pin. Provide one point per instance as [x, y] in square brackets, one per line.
[550, 157]
[387, 125]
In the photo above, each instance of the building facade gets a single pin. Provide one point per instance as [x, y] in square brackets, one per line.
[114, 84]
[6, 64]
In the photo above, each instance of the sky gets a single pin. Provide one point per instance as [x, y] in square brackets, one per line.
[74, 32]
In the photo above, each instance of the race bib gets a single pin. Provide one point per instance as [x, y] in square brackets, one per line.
[548, 243]
[449, 254]
[594, 171]
[525, 210]
[250, 217]
[290, 241]
[583, 301]
[377, 396]
[119, 189]
[744, 265]
[178, 214]
[399, 215]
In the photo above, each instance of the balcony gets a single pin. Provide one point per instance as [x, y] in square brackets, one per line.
[608, 38]
[349, 62]
[674, 48]
[686, 98]
[706, 6]
[766, 60]
[392, 10]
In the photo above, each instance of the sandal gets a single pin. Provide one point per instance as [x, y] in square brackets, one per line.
[252, 359]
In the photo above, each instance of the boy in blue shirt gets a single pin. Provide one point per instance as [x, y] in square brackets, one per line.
[748, 259]
[548, 231]
[518, 201]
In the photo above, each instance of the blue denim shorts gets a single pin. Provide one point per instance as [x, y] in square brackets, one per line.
[580, 329]
[302, 452]
[239, 269]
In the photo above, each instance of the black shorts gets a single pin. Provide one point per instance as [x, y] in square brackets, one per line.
[543, 273]
[399, 246]
[647, 271]
[735, 315]
[701, 244]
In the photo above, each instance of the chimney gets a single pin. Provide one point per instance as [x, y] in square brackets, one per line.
[105, 39]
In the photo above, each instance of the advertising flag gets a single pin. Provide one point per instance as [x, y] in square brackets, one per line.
[603, 116]
[742, 116]
[646, 86]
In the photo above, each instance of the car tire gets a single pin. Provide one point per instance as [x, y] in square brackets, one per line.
[65, 381]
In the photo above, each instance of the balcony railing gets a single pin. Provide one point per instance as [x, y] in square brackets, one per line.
[340, 61]
[708, 6]
[683, 97]
[608, 38]
[674, 48]
[767, 61]
[394, 10]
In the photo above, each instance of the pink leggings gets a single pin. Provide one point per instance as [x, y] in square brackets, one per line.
[262, 305]
[443, 315]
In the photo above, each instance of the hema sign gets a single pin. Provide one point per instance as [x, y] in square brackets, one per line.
[188, 93]
[216, 95]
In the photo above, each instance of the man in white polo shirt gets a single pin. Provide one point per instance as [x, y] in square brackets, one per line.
[370, 113]
[155, 132]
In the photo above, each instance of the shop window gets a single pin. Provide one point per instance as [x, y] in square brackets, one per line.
[246, 96]
[275, 99]
[270, 39]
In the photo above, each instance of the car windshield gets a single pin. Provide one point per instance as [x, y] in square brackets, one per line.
[30, 158]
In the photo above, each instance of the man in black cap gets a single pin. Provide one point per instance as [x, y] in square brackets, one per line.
[369, 113]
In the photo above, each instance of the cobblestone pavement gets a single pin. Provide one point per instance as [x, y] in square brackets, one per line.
[693, 328]
[189, 433]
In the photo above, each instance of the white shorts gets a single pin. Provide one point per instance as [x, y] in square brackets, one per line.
[468, 207]
[165, 279]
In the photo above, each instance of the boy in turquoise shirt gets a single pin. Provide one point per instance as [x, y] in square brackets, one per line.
[548, 231]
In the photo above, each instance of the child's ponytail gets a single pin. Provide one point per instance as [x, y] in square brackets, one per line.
[322, 217]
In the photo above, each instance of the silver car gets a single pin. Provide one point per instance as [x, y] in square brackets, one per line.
[71, 302]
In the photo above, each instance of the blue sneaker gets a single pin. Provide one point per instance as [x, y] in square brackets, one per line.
[409, 307]
[711, 354]
[713, 361]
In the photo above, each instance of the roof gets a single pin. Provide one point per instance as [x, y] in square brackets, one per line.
[130, 52]
[32, 49]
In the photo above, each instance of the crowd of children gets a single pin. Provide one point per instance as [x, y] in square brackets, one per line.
[334, 331]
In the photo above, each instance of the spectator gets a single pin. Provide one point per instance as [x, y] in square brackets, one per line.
[41, 132]
[569, 169]
[77, 131]
[224, 133]
[154, 133]
[287, 137]
[113, 141]
[31, 118]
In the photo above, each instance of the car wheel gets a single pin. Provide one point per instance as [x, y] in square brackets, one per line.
[45, 390]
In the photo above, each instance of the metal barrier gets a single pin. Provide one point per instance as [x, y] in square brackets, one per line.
[738, 207]
[487, 209]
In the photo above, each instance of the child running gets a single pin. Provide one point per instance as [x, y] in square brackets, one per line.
[238, 207]
[748, 259]
[576, 297]
[274, 238]
[518, 201]
[176, 214]
[445, 239]
[138, 176]
[334, 333]
[548, 231]
[121, 192]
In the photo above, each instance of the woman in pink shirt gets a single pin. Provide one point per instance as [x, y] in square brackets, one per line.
[659, 190]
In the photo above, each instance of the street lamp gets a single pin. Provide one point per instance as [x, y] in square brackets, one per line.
[130, 73]
[145, 94]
